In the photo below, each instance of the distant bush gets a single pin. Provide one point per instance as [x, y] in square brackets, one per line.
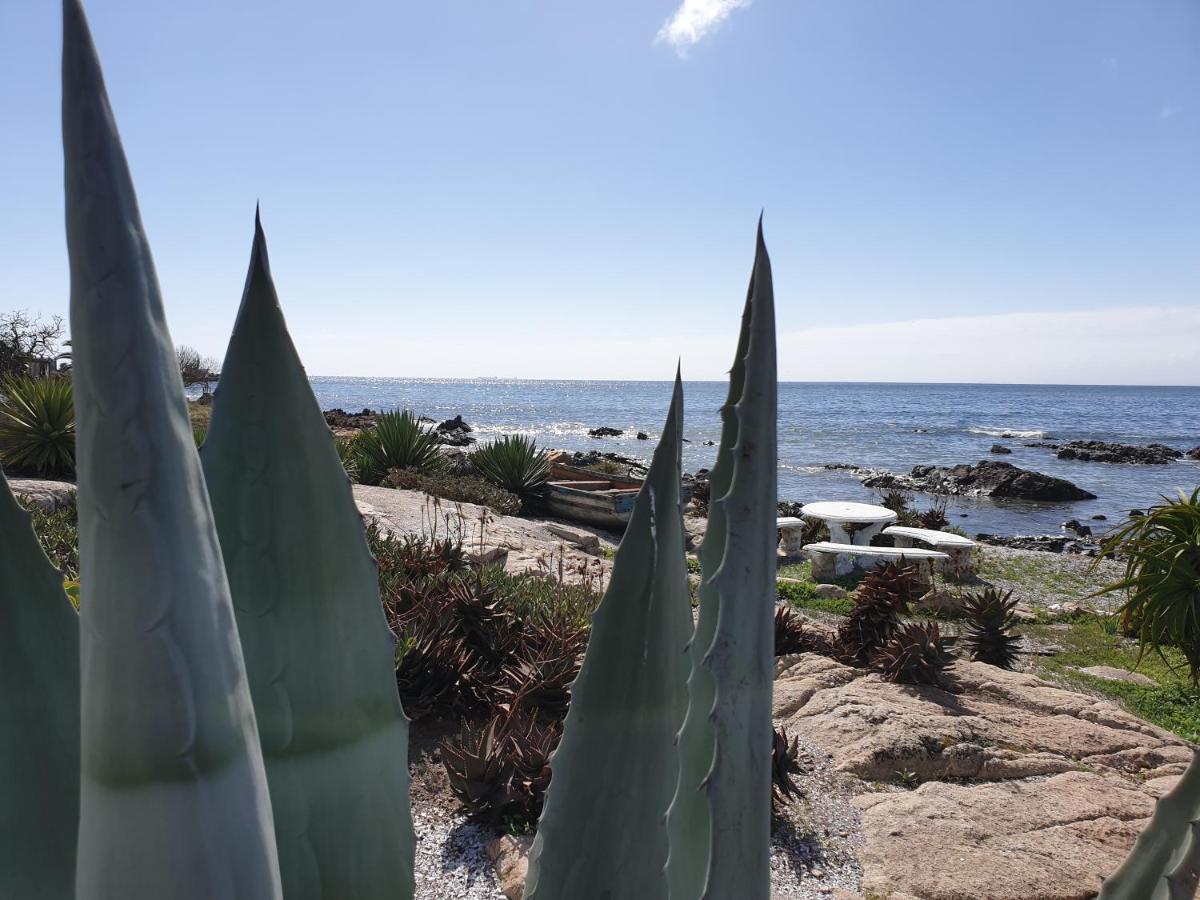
[37, 426]
[515, 464]
[457, 488]
[397, 441]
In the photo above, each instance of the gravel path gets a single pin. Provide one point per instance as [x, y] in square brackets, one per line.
[451, 863]
[813, 848]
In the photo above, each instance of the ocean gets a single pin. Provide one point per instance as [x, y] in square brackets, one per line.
[890, 426]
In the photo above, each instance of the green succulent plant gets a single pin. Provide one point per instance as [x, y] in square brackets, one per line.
[173, 795]
[514, 463]
[37, 425]
[39, 716]
[785, 767]
[334, 736]
[396, 441]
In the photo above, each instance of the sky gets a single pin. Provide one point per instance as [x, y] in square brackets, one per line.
[995, 190]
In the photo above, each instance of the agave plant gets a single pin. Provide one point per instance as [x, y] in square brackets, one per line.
[1161, 580]
[37, 425]
[397, 441]
[915, 654]
[988, 637]
[515, 464]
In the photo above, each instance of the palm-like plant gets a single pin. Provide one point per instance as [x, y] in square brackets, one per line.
[514, 463]
[37, 425]
[396, 442]
[1161, 581]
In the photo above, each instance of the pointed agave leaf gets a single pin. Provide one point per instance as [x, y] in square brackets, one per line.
[689, 819]
[1163, 863]
[39, 716]
[719, 825]
[306, 594]
[173, 799]
[602, 833]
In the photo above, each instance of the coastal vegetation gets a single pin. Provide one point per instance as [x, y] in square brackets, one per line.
[515, 464]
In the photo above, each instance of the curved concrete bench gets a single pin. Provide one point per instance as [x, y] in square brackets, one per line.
[791, 535]
[831, 560]
[957, 547]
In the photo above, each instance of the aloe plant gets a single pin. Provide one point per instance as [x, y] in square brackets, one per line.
[39, 716]
[1165, 862]
[601, 833]
[719, 820]
[305, 590]
[173, 796]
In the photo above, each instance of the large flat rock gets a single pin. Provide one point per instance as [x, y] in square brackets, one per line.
[524, 545]
[1029, 790]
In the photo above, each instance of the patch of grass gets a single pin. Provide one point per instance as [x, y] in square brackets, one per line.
[200, 414]
[539, 599]
[1035, 573]
[801, 570]
[803, 595]
[1172, 703]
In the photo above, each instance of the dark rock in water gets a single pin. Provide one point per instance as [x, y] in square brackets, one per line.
[642, 436]
[1135, 513]
[709, 443]
[454, 432]
[455, 424]
[1099, 517]
[920, 431]
[605, 431]
[1106, 451]
[1044, 445]
[990, 478]
[700, 487]
[1000, 448]
[1077, 527]
[339, 418]
[1194, 453]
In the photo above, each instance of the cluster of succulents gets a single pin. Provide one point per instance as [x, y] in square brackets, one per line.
[881, 601]
[988, 638]
[792, 635]
[785, 767]
[915, 654]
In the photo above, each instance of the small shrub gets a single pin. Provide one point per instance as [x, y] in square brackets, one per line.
[935, 516]
[348, 453]
[895, 499]
[608, 467]
[37, 426]
[515, 464]
[456, 488]
[397, 441]
[915, 654]
[535, 599]
[988, 635]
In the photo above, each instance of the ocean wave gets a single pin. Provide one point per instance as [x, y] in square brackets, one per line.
[1032, 434]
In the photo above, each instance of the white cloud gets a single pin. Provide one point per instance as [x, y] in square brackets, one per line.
[1146, 345]
[694, 20]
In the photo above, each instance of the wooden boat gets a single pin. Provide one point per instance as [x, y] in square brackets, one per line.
[582, 495]
[591, 498]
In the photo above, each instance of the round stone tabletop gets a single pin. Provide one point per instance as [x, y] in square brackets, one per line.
[844, 511]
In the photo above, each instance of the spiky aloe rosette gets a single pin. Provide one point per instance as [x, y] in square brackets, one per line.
[305, 591]
[173, 798]
[39, 716]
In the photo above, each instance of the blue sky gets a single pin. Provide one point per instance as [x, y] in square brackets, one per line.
[999, 190]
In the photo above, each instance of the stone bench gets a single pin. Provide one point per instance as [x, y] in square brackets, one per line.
[791, 535]
[829, 560]
[955, 546]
